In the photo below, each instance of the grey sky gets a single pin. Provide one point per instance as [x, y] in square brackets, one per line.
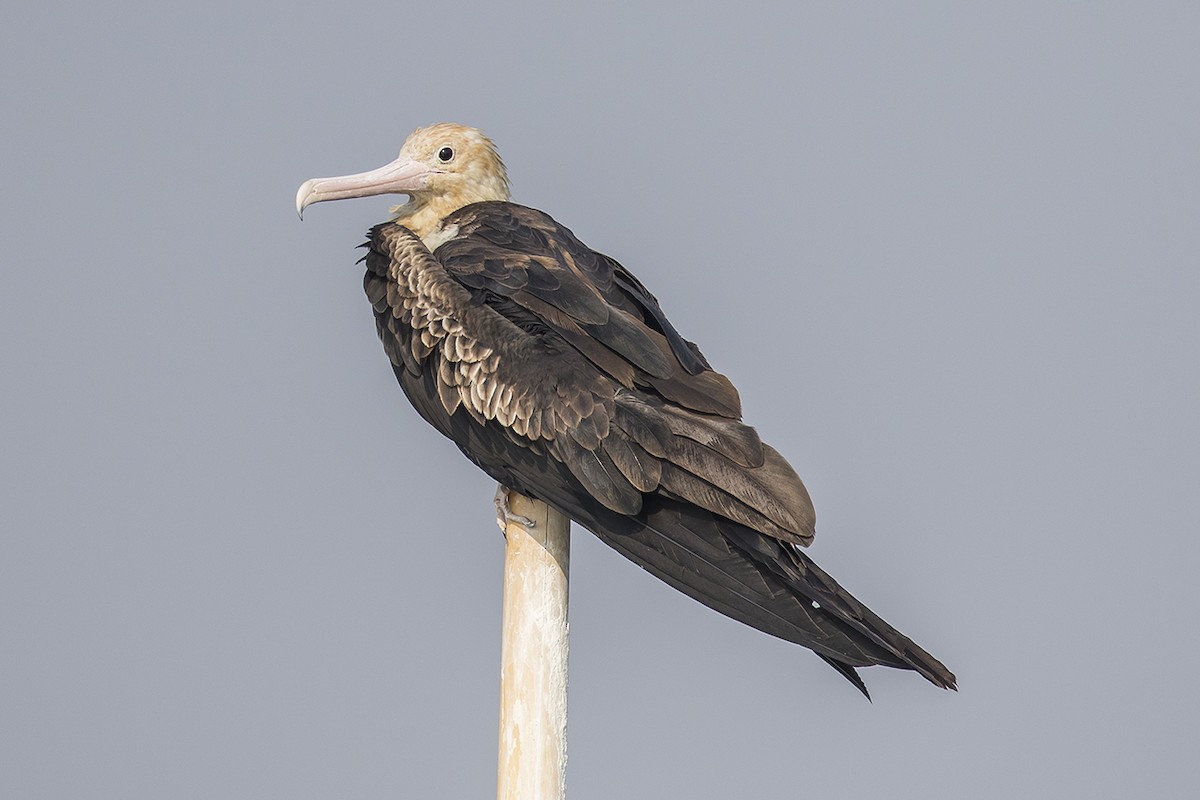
[947, 251]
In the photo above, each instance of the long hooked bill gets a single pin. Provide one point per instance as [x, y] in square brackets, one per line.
[402, 176]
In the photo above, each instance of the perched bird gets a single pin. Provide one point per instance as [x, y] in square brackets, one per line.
[556, 372]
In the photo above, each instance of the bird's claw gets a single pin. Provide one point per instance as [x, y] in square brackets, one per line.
[504, 513]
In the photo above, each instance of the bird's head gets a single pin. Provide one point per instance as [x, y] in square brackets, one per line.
[442, 168]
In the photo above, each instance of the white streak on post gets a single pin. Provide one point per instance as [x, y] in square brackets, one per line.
[533, 654]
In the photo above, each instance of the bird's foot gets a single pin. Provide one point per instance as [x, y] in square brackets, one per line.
[504, 513]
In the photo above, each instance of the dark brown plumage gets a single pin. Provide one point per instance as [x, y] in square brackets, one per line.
[556, 372]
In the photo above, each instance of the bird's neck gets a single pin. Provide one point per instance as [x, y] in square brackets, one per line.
[424, 214]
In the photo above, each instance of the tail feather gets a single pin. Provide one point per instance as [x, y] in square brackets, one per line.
[811, 582]
[849, 673]
[767, 584]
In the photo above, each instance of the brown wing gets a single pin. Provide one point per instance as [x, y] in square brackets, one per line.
[524, 326]
[555, 372]
[521, 254]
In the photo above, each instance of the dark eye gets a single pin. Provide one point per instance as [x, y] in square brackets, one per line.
[446, 153]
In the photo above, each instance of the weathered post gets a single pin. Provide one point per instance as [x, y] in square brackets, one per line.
[533, 654]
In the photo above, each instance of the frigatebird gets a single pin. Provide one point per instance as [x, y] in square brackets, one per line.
[557, 373]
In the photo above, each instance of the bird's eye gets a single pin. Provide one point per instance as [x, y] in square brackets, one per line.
[445, 154]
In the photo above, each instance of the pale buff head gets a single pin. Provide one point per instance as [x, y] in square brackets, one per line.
[461, 162]
[441, 168]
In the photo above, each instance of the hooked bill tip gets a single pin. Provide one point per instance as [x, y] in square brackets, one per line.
[302, 195]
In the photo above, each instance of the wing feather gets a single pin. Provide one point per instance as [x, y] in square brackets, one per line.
[546, 270]
[552, 362]
[555, 371]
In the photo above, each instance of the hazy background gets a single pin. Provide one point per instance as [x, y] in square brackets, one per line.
[947, 251]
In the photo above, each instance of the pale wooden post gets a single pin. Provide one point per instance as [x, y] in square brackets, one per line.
[533, 654]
